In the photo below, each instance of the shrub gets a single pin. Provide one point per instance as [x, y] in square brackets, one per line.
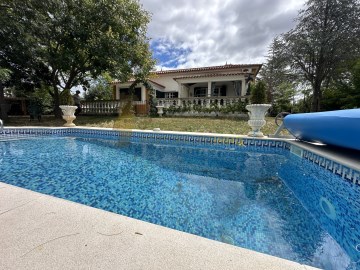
[66, 98]
[258, 93]
[152, 105]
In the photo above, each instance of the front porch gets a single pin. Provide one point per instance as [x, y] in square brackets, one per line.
[195, 105]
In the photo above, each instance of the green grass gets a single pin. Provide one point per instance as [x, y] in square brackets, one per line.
[208, 125]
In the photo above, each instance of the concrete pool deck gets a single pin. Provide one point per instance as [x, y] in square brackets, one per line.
[43, 232]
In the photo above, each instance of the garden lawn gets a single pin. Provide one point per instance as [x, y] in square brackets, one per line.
[208, 125]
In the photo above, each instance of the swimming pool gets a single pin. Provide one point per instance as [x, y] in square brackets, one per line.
[251, 193]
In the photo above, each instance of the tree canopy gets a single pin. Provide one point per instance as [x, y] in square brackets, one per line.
[324, 41]
[100, 89]
[279, 81]
[66, 43]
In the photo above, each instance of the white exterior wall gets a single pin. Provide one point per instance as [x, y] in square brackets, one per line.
[168, 81]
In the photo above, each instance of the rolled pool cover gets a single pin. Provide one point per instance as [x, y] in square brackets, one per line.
[339, 128]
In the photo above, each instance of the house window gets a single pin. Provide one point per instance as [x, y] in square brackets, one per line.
[171, 95]
[220, 91]
[125, 93]
[160, 94]
[200, 91]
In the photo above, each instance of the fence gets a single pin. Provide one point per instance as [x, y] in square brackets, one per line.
[201, 101]
[111, 107]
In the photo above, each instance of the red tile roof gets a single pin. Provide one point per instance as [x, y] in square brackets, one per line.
[209, 75]
[241, 70]
[224, 67]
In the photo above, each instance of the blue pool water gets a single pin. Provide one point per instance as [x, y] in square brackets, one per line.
[267, 200]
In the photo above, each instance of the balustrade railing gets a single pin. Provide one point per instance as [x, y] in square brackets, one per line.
[106, 107]
[101, 107]
[206, 102]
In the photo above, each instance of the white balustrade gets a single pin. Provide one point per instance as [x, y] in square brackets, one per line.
[207, 102]
[106, 107]
[114, 106]
[100, 107]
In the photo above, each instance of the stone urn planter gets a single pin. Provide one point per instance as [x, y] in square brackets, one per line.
[257, 114]
[68, 115]
[160, 110]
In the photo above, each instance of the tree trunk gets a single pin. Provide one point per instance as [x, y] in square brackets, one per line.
[315, 106]
[57, 110]
[3, 105]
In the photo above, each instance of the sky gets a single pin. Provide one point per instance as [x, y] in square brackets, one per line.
[199, 33]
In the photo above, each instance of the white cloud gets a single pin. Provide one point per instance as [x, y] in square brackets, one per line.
[188, 33]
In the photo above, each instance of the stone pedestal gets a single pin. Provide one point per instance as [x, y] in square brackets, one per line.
[68, 115]
[257, 114]
[160, 110]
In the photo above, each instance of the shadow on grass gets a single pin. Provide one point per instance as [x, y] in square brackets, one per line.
[51, 121]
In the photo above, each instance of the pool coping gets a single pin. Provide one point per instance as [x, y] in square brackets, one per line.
[177, 244]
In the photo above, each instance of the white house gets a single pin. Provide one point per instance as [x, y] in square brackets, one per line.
[227, 80]
[203, 86]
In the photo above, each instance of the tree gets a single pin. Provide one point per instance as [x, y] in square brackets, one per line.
[274, 72]
[258, 93]
[353, 88]
[344, 93]
[279, 80]
[284, 98]
[78, 39]
[4, 76]
[100, 89]
[326, 37]
[17, 46]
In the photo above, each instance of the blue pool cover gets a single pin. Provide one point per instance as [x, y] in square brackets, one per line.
[339, 128]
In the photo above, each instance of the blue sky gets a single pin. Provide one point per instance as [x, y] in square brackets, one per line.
[195, 33]
[169, 54]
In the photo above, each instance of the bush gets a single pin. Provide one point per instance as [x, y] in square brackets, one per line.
[41, 101]
[152, 105]
[66, 98]
[172, 109]
[258, 93]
